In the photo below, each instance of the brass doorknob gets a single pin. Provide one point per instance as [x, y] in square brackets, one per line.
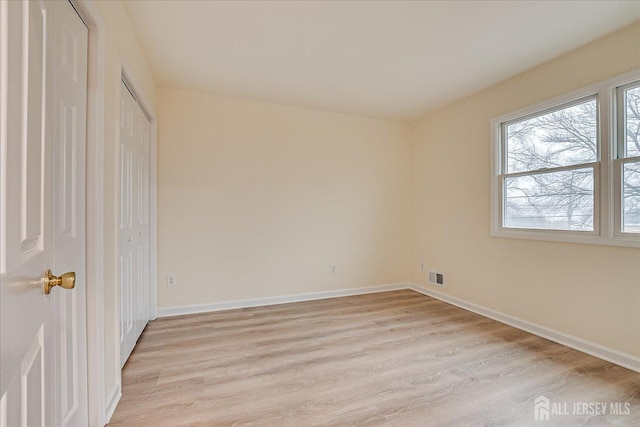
[67, 281]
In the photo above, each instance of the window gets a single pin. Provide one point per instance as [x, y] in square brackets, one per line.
[629, 156]
[568, 169]
[550, 167]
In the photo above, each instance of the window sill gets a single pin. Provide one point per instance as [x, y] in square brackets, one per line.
[631, 241]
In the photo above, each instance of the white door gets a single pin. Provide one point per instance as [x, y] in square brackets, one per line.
[134, 222]
[43, 60]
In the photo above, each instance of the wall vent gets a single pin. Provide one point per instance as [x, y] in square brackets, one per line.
[436, 278]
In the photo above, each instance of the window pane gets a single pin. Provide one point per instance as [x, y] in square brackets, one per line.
[561, 138]
[632, 121]
[631, 197]
[555, 200]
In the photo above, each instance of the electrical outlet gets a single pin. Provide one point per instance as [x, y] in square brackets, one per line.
[171, 280]
[333, 269]
[422, 267]
[436, 278]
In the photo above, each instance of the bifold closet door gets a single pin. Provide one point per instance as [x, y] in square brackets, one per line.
[134, 222]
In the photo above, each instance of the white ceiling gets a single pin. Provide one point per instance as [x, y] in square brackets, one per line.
[385, 59]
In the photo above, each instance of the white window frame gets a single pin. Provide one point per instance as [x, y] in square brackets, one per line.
[607, 168]
[619, 160]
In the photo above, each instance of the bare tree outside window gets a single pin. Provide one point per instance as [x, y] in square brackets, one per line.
[631, 169]
[549, 182]
[568, 168]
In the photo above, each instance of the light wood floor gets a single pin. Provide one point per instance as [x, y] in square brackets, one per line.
[394, 358]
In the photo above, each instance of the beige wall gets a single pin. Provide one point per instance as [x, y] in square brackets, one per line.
[591, 292]
[256, 200]
[120, 44]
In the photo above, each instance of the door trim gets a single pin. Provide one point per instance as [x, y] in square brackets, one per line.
[102, 404]
[94, 210]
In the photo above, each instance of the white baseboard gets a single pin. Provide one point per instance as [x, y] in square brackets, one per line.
[625, 360]
[230, 305]
[112, 402]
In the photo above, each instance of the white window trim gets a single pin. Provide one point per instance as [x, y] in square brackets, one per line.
[606, 195]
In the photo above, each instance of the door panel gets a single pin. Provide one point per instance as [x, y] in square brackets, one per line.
[42, 157]
[32, 143]
[32, 370]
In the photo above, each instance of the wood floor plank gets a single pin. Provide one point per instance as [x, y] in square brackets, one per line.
[394, 358]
